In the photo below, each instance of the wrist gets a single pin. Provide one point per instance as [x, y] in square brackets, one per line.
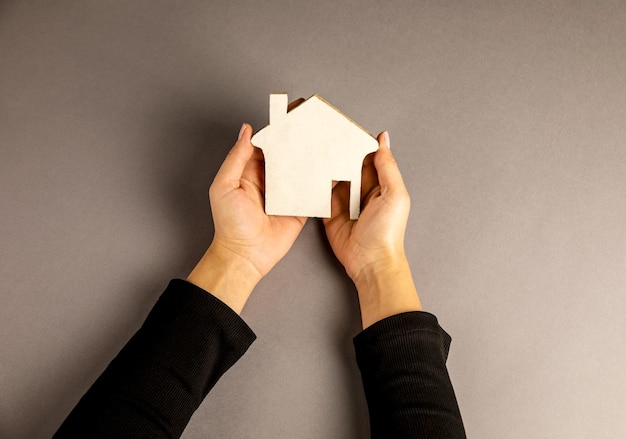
[386, 289]
[385, 267]
[226, 275]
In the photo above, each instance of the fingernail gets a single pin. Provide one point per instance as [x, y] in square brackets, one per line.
[387, 142]
[243, 128]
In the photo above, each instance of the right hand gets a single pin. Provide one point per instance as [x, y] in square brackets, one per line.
[372, 248]
[247, 242]
[376, 239]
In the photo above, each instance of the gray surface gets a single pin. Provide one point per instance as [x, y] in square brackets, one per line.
[507, 122]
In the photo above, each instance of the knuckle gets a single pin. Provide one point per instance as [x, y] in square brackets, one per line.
[211, 191]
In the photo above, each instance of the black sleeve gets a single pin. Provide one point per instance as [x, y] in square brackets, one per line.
[157, 381]
[408, 390]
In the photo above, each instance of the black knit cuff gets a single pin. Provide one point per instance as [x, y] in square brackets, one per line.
[204, 303]
[187, 326]
[401, 324]
[193, 307]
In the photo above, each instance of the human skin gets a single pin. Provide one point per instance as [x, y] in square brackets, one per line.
[248, 243]
[372, 248]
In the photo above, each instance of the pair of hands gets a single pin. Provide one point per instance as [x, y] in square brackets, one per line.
[248, 243]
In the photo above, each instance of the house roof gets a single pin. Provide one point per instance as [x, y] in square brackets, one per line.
[293, 106]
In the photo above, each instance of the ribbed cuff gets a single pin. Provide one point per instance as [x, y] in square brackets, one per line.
[196, 306]
[196, 333]
[399, 325]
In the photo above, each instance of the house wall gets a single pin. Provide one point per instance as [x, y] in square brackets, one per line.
[507, 121]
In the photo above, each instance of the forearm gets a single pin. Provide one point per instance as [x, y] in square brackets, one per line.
[161, 376]
[227, 276]
[407, 386]
[386, 289]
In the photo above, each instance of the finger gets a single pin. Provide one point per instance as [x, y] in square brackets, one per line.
[255, 169]
[340, 200]
[256, 159]
[238, 157]
[375, 192]
[386, 167]
[369, 177]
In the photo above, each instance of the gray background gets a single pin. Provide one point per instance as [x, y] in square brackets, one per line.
[508, 125]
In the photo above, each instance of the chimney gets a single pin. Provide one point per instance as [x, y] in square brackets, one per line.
[278, 107]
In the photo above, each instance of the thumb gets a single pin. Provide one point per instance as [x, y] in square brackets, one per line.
[236, 160]
[387, 169]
